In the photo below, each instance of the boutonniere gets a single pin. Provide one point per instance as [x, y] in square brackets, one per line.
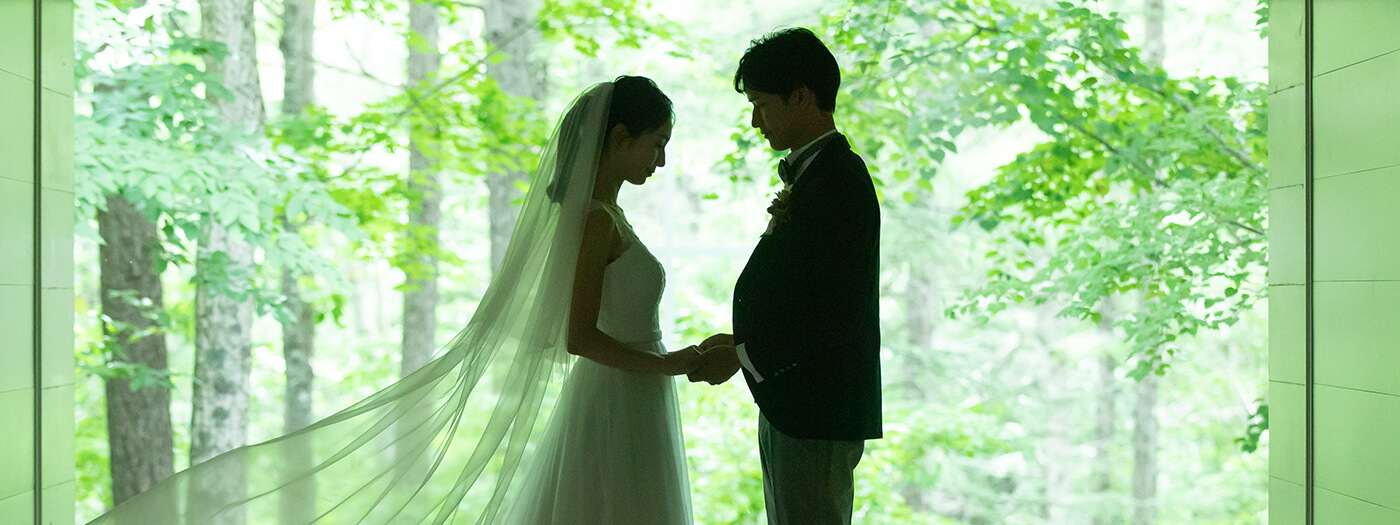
[779, 209]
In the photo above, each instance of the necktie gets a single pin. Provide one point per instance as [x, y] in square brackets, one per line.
[787, 171]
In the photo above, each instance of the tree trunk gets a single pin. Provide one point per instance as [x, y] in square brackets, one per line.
[1145, 409]
[299, 326]
[920, 304]
[223, 348]
[1104, 418]
[509, 30]
[223, 340]
[1056, 451]
[364, 311]
[425, 200]
[298, 345]
[298, 30]
[223, 320]
[1154, 41]
[138, 421]
[299, 329]
[1145, 452]
[919, 310]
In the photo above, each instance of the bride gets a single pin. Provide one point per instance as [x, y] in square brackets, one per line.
[575, 280]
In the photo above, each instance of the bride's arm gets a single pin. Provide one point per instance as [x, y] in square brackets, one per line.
[600, 241]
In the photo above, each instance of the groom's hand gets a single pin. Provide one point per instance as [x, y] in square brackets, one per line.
[716, 340]
[717, 364]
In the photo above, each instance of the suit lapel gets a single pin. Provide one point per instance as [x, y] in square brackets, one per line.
[816, 169]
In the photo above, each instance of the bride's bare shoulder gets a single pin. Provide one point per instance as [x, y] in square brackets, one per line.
[600, 231]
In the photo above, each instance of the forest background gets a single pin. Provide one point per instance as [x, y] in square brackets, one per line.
[284, 205]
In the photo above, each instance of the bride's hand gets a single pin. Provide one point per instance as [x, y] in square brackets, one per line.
[684, 361]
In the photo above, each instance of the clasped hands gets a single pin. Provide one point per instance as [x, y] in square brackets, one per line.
[713, 361]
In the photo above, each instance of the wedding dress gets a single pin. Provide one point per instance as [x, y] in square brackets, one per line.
[444, 444]
[613, 451]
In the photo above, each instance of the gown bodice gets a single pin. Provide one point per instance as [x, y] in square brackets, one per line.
[632, 288]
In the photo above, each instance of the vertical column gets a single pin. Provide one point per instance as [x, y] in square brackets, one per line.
[17, 189]
[36, 261]
[54, 261]
[1355, 68]
[1288, 249]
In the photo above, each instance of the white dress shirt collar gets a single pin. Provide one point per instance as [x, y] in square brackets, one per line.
[797, 170]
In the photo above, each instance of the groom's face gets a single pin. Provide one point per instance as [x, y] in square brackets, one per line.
[774, 118]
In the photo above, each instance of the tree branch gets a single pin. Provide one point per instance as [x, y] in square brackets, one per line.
[1187, 107]
[364, 71]
[1246, 228]
[1143, 168]
[361, 73]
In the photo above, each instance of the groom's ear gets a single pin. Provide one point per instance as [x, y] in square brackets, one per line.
[801, 96]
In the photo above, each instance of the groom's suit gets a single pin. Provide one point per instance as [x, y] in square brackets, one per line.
[806, 307]
[806, 321]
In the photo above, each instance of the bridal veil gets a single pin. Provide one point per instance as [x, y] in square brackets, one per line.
[443, 444]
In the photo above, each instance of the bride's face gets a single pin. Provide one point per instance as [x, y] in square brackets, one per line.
[637, 157]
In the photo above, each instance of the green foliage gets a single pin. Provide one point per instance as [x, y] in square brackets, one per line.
[459, 118]
[623, 22]
[153, 137]
[93, 481]
[722, 451]
[1145, 185]
[1262, 23]
[1254, 429]
[147, 131]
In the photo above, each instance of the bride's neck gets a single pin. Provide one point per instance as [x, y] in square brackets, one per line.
[607, 190]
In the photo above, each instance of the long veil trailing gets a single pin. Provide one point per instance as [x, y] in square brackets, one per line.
[424, 450]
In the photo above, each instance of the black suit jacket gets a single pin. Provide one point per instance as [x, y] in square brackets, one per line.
[806, 306]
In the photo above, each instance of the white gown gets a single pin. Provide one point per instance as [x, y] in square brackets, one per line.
[612, 452]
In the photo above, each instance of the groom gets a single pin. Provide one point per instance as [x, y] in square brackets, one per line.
[806, 313]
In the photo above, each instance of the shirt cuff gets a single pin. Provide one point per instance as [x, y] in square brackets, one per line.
[748, 365]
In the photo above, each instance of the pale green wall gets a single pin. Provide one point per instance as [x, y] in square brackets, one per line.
[1355, 269]
[1287, 250]
[20, 392]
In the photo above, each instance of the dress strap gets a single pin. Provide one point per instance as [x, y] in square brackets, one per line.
[619, 220]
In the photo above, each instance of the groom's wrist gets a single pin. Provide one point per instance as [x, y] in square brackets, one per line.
[742, 351]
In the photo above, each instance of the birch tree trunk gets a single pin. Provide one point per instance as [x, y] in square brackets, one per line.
[223, 311]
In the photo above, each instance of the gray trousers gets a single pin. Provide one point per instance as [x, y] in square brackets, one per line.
[807, 481]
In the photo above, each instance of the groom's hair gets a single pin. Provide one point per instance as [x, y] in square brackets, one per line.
[781, 61]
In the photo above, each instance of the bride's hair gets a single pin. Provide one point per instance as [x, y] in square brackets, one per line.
[639, 105]
[636, 102]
